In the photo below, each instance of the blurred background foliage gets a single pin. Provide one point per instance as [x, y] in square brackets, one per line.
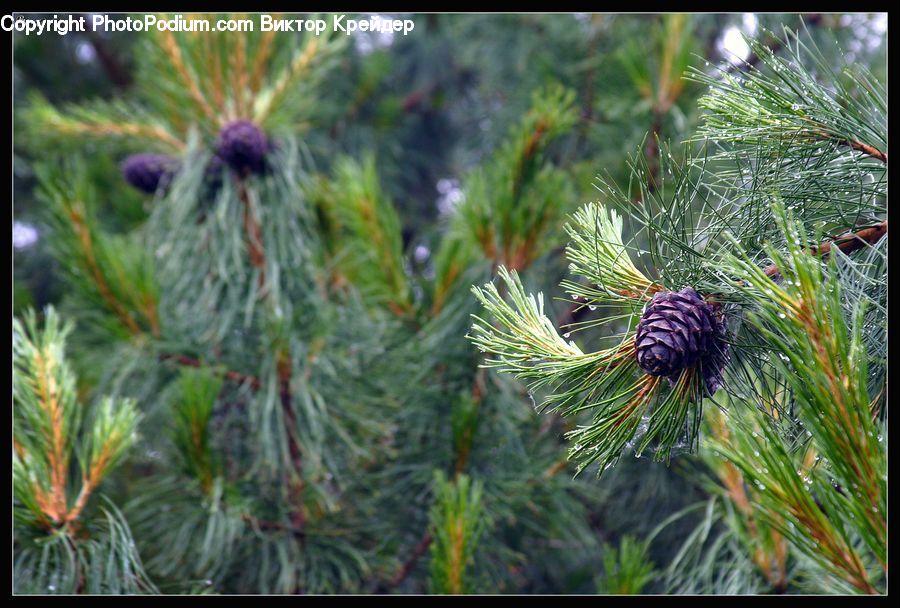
[430, 106]
[414, 138]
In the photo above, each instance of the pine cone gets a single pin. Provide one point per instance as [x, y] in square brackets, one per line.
[243, 146]
[147, 172]
[679, 330]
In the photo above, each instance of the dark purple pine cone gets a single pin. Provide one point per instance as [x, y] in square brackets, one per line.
[147, 172]
[679, 330]
[243, 147]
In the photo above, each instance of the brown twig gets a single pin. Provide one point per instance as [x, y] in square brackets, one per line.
[865, 149]
[230, 375]
[847, 243]
[296, 483]
[269, 525]
[115, 71]
[253, 233]
[410, 563]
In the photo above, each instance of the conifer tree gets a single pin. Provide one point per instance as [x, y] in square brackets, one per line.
[281, 382]
[766, 309]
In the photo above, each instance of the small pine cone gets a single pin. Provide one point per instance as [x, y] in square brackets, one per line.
[243, 147]
[679, 330]
[149, 172]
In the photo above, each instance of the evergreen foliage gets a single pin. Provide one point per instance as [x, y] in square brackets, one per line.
[278, 380]
[799, 390]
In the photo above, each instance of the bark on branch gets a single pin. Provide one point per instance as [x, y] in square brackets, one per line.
[410, 563]
[847, 243]
[230, 375]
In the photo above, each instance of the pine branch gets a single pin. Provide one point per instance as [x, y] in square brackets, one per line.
[407, 567]
[296, 483]
[239, 73]
[651, 150]
[230, 375]
[263, 52]
[301, 64]
[736, 491]
[57, 455]
[269, 525]
[252, 234]
[847, 243]
[86, 242]
[777, 44]
[823, 359]
[865, 149]
[170, 47]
